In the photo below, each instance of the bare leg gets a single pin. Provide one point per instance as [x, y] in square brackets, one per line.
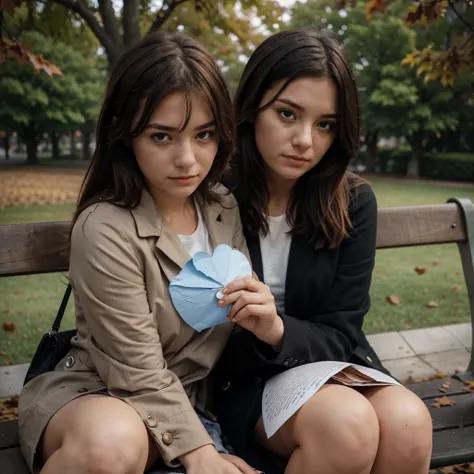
[336, 431]
[96, 434]
[405, 431]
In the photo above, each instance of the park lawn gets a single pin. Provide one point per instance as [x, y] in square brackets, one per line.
[31, 301]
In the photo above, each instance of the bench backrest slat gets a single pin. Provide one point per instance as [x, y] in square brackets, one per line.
[419, 225]
[43, 247]
[34, 248]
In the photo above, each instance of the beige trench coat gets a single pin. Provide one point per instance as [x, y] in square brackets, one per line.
[131, 342]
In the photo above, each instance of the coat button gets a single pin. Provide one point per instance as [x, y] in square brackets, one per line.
[151, 422]
[226, 385]
[286, 363]
[369, 359]
[70, 361]
[167, 438]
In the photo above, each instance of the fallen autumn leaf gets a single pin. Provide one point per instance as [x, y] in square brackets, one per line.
[8, 326]
[420, 270]
[443, 402]
[393, 299]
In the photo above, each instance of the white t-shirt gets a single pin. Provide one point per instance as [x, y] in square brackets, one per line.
[275, 248]
[199, 240]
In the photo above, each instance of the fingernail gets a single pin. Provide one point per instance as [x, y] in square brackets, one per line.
[221, 303]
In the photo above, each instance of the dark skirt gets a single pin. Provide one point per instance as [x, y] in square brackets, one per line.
[239, 407]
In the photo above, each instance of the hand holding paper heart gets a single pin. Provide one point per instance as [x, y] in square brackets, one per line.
[195, 291]
[253, 308]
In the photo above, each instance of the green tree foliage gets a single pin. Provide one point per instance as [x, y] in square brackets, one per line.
[395, 101]
[35, 104]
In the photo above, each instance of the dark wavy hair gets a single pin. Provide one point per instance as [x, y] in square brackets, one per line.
[320, 200]
[162, 63]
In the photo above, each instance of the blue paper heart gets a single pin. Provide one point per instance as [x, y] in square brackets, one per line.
[193, 291]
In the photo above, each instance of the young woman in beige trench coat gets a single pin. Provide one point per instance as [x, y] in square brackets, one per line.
[132, 389]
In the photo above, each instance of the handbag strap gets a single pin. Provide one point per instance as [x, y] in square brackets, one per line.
[62, 308]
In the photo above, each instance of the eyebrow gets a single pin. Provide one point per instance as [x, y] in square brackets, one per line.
[300, 107]
[167, 128]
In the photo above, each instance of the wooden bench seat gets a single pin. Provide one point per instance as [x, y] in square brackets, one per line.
[43, 248]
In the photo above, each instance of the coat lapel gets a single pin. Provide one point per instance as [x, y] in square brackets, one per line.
[219, 233]
[169, 250]
[301, 254]
[255, 252]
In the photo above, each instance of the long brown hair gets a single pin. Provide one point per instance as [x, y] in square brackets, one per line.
[320, 200]
[160, 64]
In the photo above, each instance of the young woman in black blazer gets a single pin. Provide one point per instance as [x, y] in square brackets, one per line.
[311, 229]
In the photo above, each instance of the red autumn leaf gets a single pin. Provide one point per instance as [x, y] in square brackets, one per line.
[9, 326]
[426, 12]
[435, 263]
[393, 299]
[20, 52]
[19, 291]
[3, 353]
[432, 304]
[7, 362]
[7, 310]
[374, 6]
[443, 402]
[440, 375]
[456, 288]
[12, 402]
[421, 270]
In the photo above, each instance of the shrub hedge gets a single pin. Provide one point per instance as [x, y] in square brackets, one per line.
[443, 166]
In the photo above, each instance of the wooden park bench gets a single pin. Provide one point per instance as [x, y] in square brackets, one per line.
[43, 247]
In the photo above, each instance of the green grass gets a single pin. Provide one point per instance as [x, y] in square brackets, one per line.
[31, 301]
[47, 212]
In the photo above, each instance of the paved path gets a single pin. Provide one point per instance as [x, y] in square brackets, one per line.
[424, 352]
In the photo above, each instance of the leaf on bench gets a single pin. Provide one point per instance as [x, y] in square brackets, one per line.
[469, 385]
[9, 408]
[466, 468]
[443, 402]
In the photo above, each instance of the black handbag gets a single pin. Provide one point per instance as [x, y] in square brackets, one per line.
[54, 345]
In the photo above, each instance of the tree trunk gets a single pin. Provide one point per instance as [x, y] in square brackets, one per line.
[56, 154]
[86, 140]
[416, 142]
[73, 144]
[6, 144]
[371, 140]
[32, 151]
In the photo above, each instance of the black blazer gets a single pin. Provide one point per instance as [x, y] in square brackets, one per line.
[326, 299]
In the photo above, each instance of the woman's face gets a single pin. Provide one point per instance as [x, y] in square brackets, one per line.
[174, 162]
[296, 131]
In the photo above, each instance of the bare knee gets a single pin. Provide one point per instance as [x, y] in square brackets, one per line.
[347, 432]
[406, 430]
[97, 435]
[119, 448]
